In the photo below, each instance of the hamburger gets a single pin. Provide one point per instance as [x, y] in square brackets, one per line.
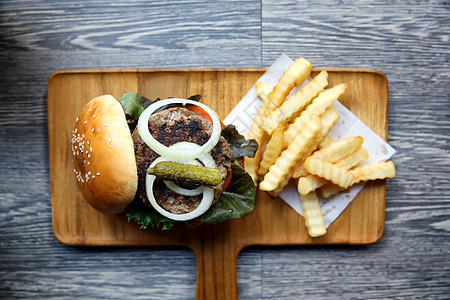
[155, 159]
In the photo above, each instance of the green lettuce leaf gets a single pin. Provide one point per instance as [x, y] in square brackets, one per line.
[240, 146]
[147, 217]
[132, 105]
[236, 202]
[133, 108]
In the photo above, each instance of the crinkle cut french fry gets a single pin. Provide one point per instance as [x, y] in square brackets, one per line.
[299, 170]
[312, 182]
[281, 187]
[372, 172]
[381, 170]
[317, 107]
[289, 157]
[328, 119]
[329, 190]
[313, 215]
[329, 171]
[296, 74]
[262, 90]
[339, 149]
[294, 104]
[272, 151]
[252, 163]
[309, 184]
[353, 159]
[346, 163]
[333, 153]
[326, 141]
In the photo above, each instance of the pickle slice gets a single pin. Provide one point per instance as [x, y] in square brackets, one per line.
[186, 173]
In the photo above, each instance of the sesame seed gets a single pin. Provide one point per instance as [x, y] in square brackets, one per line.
[106, 124]
[88, 163]
[76, 120]
[92, 130]
[87, 142]
[93, 176]
[84, 122]
[98, 174]
[90, 149]
[89, 109]
[94, 115]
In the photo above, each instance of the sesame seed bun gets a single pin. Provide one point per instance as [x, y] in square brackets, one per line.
[103, 155]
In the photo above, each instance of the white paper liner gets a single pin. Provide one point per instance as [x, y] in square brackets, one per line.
[348, 125]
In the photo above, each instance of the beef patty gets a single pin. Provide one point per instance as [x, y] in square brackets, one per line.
[169, 127]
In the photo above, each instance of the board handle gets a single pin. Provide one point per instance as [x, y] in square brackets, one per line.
[216, 265]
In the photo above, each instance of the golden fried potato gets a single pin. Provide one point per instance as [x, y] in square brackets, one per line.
[273, 150]
[285, 163]
[296, 74]
[346, 163]
[294, 104]
[326, 141]
[318, 106]
[339, 149]
[328, 171]
[328, 119]
[309, 184]
[262, 90]
[281, 186]
[381, 170]
[313, 215]
[252, 163]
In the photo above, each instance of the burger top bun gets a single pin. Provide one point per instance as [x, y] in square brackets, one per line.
[103, 155]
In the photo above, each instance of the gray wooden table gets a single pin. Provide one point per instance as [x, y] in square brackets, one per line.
[407, 40]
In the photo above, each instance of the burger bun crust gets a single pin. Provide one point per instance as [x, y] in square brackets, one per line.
[103, 155]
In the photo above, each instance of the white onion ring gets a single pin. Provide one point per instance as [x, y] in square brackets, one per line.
[208, 193]
[182, 191]
[174, 154]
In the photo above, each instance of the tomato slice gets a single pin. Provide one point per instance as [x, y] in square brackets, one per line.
[227, 181]
[201, 112]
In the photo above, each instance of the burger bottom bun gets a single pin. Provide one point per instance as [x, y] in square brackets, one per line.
[103, 155]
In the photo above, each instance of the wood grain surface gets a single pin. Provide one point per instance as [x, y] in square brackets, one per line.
[407, 40]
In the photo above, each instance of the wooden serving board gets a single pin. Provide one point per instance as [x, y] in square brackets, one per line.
[216, 247]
